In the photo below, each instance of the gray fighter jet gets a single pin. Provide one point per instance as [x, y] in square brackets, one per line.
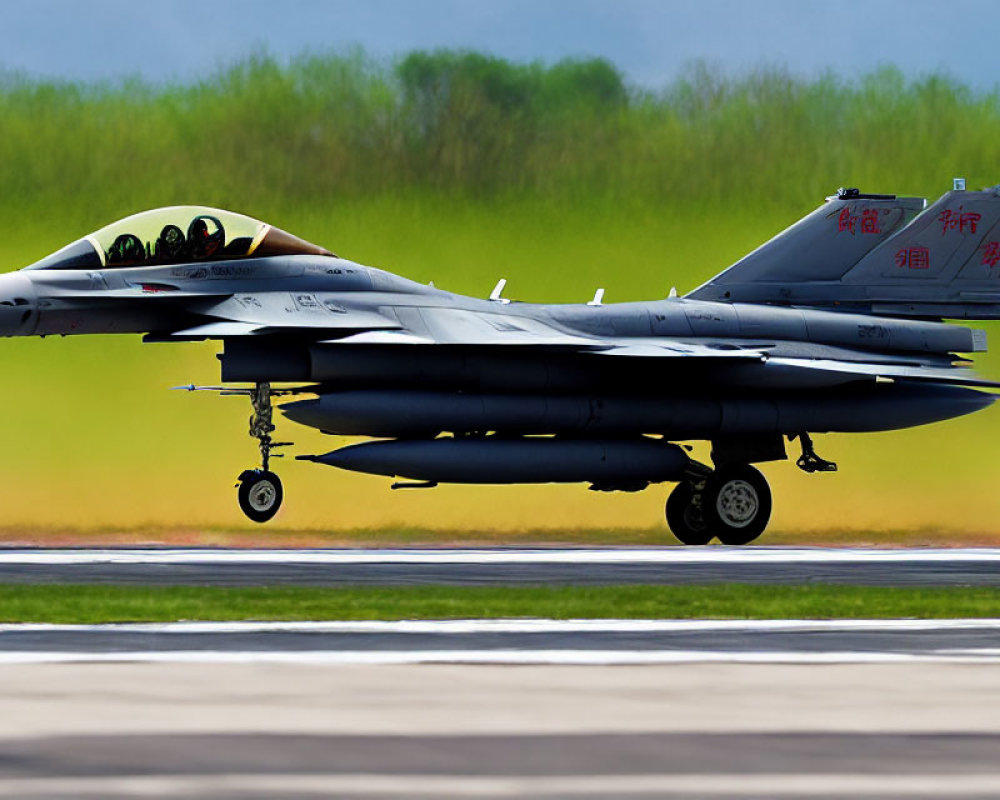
[832, 325]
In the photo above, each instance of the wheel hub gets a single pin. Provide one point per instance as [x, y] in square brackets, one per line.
[262, 496]
[737, 503]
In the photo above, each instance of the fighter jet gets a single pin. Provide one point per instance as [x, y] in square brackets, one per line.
[834, 325]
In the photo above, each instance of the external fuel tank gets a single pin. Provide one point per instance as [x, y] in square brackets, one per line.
[612, 464]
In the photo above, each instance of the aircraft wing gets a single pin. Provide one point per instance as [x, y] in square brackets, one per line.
[452, 326]
[336, 324]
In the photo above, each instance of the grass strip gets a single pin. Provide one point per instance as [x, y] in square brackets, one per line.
[97, 604]
[402, 536]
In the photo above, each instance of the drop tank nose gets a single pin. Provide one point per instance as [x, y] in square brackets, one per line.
[18, 305]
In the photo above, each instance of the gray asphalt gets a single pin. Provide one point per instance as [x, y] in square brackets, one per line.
[818, 760]
[969, 641]
[529, 755]
[385, 568]
[258, 730]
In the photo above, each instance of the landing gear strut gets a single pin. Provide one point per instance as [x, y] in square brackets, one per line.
[732, 503]
[260, 492]
[809, 461]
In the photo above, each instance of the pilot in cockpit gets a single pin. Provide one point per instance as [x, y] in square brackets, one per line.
[201, 242]
[126, 249]
[170, 245]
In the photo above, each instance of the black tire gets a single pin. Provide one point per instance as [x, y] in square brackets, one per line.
[736, 504]
[260, 495]
[684, 519]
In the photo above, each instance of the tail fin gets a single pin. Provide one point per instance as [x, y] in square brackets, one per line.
[946, 263]
[943, 264]
[822, 246]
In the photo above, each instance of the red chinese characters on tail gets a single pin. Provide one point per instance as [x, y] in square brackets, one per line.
[963, 222]
[913, 258]
[868, 219]
[991, 254]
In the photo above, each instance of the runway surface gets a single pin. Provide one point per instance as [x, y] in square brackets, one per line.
[511, 642]
[594, 708]
[589, 765]
[503, 566]
[445, 731]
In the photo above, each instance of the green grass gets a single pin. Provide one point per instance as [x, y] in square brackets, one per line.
[277, 536]
[96, 604]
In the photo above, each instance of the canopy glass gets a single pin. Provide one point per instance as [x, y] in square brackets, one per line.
[177, 235]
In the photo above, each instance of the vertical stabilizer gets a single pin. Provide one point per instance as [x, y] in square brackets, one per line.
[822, 246]
[946, 263]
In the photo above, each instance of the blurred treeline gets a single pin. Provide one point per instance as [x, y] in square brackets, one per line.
[325, 128]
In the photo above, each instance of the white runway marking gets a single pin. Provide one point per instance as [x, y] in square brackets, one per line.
[666, 555]
[533, 657]
[387, 650]
[465, 626]
[669, 785]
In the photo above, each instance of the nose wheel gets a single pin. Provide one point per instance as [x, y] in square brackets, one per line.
[260, 494]
[260, 491]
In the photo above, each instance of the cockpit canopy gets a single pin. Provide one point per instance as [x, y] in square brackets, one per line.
[177, 235]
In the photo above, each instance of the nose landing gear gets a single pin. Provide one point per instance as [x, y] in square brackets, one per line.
[260, 491]
[260, 494]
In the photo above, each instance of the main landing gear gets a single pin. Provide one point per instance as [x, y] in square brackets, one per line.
[260, 492]
[733, 502]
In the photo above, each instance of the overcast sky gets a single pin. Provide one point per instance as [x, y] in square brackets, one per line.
[650, 40]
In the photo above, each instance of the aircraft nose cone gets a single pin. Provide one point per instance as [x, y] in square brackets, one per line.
[18, 306]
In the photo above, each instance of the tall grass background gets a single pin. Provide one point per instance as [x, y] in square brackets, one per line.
[460, 168]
